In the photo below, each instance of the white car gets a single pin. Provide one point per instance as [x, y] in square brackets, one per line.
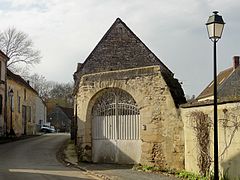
[48, 129]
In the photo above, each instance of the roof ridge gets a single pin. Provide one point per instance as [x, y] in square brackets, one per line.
[205, 93]
[225, 70]
[119, 21]
[19, 79]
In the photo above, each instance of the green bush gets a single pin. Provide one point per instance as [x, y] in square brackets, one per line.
[190, 176]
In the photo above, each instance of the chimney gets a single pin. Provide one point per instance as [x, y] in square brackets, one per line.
[235, 62]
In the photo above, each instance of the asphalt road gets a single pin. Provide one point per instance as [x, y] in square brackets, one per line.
[35, 159]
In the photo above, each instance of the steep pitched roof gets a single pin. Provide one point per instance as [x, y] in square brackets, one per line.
[221, 78]
[119, 48]
[228, 86]
[20, 80]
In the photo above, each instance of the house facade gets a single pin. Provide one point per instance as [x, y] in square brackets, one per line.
[24, 108]
[61, 118]
[41, 112]
[3, 62]
[125, 99]
[199, 113]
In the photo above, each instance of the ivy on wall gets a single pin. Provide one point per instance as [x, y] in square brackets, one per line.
[201, 125]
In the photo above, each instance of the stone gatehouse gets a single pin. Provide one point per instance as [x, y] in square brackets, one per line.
[126, 103]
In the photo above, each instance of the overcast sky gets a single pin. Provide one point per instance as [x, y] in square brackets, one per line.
[66, 31]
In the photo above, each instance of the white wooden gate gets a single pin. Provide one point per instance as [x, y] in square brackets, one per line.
[115, 129]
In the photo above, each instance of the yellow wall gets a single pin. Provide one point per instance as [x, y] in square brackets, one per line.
[2, 92]
[228, 137]
[17, 120]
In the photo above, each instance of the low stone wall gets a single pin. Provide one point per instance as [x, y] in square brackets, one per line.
[228, 133]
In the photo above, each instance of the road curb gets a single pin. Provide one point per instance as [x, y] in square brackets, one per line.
[61, 156]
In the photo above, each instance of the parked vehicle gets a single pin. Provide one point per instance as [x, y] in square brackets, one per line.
[48, 129]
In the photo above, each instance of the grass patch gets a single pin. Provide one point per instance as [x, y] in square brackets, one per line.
[179, 174]
[146, 168]
[190, 176]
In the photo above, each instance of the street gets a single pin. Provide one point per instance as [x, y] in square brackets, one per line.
[35, 158]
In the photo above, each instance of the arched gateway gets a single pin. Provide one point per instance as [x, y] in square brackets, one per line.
[115, 128]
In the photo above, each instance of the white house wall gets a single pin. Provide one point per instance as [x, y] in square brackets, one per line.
[40, 110]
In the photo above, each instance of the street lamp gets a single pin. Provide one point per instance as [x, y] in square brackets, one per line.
[215, 26]
[11, 133]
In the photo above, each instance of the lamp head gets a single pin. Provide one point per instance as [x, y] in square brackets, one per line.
[215, 26]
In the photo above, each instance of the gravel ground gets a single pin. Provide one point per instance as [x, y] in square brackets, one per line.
[108, 171]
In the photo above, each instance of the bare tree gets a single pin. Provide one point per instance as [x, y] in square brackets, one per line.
[59, 93]
[19, 48]
[41, 85]
[62, 92]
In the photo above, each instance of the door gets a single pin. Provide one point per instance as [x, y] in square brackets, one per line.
[24, 119]
[115, 128]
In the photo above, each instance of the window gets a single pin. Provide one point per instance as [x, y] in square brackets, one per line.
[1, 103]
[24, 118]
[19, 104]
[25, 94]
[29, 113]
[12, 103]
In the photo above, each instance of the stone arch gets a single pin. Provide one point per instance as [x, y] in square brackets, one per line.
[115, 126]
[96, 94]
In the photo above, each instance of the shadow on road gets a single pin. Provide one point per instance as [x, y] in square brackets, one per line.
[96, 166]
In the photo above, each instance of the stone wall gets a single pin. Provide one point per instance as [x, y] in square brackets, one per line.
[229, 141]
[162, 139]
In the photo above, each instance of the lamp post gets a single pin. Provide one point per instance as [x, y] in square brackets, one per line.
[11, 133]
[215, 26]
